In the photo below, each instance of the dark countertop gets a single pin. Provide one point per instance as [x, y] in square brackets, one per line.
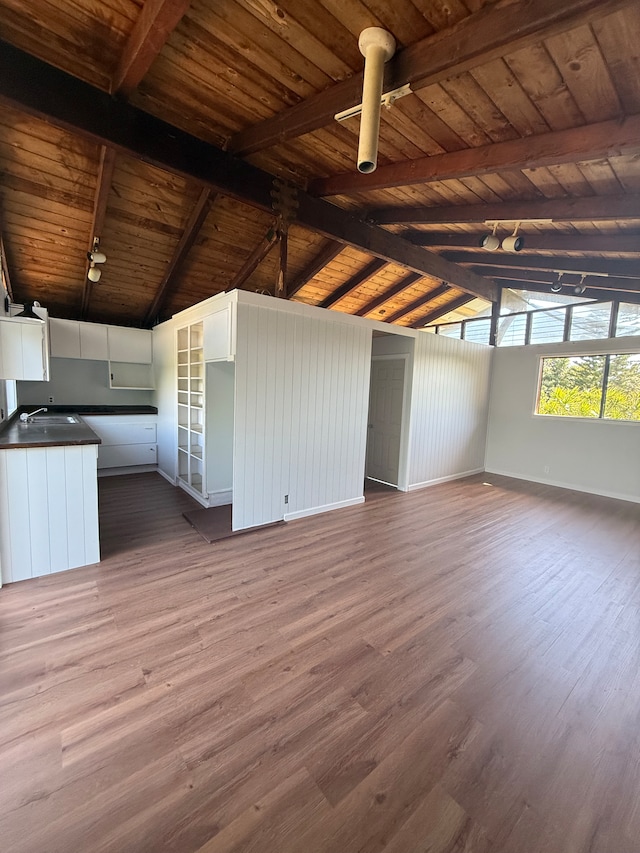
[15, 434]
[80, 409]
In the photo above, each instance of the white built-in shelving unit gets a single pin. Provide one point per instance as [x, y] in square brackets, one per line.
[191, 402]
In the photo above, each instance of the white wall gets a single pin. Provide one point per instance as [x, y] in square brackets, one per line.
[165, 397]
[79, 381]
[451, 380]
[588, 455]
[220, 385]
[302, 391]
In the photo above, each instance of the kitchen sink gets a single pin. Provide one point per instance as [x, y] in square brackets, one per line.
[51, 420]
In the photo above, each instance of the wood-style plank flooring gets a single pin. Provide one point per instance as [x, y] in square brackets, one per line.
[455, 669]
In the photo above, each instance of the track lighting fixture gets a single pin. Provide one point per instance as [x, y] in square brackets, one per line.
[490, 242]
[557, 286]
[95, 256]
[580, 288]
[514, 243]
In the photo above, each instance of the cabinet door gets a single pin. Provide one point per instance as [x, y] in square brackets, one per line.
[217, 336]
[130, 345]
[22, 353]
[93, 341]
[64, 336]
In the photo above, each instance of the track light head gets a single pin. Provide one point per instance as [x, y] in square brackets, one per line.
[513, 244]
[94, 273]
[96, 257]
[489, 242]
[556, 288]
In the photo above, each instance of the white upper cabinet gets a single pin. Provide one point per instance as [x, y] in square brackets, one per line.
[64, 336]
[130, 345]
[23, 349]
[217, 336]
[93, 341]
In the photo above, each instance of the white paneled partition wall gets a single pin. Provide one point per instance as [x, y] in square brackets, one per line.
[449, 401]
[301, 401]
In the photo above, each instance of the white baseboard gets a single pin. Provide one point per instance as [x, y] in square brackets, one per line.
[571, 486]
[169, 479]
[415, 486]
[316, 510]
[126, 469]
[195, 495]
[222, 497]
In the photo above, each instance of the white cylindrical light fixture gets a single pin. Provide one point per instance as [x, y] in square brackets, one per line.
[377, 46]
[94, 273]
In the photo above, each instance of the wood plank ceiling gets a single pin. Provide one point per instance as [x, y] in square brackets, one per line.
[159, 127]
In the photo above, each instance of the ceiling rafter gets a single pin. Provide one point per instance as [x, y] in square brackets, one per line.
[553, 242]
[577, 209]
[591, 142]
[405, 282]
[548, 277]
[327, 253]
[589, 293]
[255, 258]
[475, 40]
[353, 283]
[609, 266]
[101, 196]
[39, 89]
[441, 311]
[194, 224]
[156, 21]
[418, 302]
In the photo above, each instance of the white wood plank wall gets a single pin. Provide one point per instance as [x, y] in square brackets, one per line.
[302, 390]
[51, 521]
[450, 393]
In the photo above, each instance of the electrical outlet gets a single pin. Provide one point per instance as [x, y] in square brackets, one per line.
[286, 499]
[51, 399]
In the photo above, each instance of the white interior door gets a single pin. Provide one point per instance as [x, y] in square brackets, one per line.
[385, 420]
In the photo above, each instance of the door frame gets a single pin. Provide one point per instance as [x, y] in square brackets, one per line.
[403, 456]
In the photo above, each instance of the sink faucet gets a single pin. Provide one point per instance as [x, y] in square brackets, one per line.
[26, 416]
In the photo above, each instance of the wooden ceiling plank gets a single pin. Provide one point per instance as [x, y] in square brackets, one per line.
[39, 89]
[579, 209]
[418, 303]
[328, 253]
[441, 311]
[619, 243]
[603, 266]
[156, 22]
[508, 25]
[602, 140]
[255, 259]
[353, 283]
[194, 224]
[103, 186]
[405, 282]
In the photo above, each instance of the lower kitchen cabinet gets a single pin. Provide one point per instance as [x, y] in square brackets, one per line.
[48, 510]
[127, 441]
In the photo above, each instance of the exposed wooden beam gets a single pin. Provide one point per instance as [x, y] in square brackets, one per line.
[30, 85]
[283, 259]
[156, 21]
[100, 198]
[589, 293]
[548, 277]
[255, 259]
[5, 269]
[595, 141]
[405, 282]
[441, 311]
[353, 283]
[553, 242]
[582, 209]
[194, 224]
[429, 296]
[558, 263]
[508, 25]
[329, 251]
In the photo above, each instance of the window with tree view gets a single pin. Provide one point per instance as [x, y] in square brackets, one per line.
[591, 386]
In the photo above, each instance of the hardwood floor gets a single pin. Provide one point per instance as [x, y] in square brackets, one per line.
[454, 669]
